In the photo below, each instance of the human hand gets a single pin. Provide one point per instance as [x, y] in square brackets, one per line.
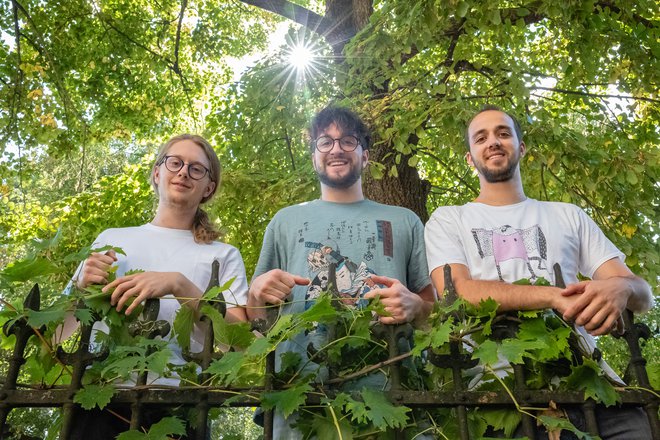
[96, 268]
[401, 303]
[273, 287]
[141, 286]
[597, 304]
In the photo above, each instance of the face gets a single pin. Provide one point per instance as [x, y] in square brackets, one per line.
[178, 187]
[337, 168]
[495, 150]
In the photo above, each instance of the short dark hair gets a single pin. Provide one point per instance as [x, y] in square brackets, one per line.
[490, 107]
[346, 120]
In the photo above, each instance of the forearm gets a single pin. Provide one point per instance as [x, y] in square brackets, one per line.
[186, 292]
[508, 296]
[254, 309]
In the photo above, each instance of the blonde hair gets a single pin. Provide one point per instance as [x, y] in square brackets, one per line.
[204, 231]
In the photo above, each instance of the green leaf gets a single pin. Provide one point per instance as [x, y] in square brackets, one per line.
[228, 367]
[462, 9]
[163, 430]
[85, 316]
[24, 270]
[514, 350]
[495, 17]
[213, 293]
[506, 420]
[331, 428]
[236, 335]
[381, 412]
[321, 311]
[486, 352]
[286, 401]
[591, 378]
[45, 317]
[183, 325]
[94, 395]
[556, 423]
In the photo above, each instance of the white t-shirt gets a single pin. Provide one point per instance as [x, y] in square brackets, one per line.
[153, 248]
[519, 241]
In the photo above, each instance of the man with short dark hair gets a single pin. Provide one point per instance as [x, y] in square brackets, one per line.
[361, 248]
[503, 236]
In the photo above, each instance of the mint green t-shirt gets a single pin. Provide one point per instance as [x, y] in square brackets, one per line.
[357, 239]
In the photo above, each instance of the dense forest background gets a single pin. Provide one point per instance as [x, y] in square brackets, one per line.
[88, 90]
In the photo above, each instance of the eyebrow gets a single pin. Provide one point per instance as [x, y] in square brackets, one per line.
[497, 128]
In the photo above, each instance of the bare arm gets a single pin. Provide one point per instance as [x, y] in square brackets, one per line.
[508, 296]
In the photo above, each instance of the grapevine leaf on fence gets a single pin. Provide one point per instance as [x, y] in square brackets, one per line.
[236, 334]
[506, 420]
[54, 313]
[94, 395]
[437, 337]
[29, 268]
[288, 400]
[183, 324]
[555, 423]
[163, 430]
[591, 378]
[381, 411]
[213, 293]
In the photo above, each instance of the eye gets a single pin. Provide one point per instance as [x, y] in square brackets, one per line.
[324, 142]
[505, 133]
[175, 162]
[349, 141]
[197, 169]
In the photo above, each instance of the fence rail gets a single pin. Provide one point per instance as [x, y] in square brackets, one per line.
[15, 395]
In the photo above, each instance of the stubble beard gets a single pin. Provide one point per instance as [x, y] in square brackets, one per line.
[500, 174]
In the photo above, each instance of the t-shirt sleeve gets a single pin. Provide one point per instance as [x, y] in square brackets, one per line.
[418, 277]
[443, 243]
[268, 257]
[232, 267]
[595, 247]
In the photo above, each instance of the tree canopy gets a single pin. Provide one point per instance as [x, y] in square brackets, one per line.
[89, 89]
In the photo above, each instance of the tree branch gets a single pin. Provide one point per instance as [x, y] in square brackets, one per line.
[295, 13]
[595, 95]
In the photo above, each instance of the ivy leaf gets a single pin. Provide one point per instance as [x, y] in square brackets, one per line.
[183, 324]
[44, 317]
[590, 378]
[286, 401]
[24, 270]
[381, 412]
[94, 395]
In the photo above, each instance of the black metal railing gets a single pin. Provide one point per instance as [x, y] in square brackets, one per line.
[203, 398]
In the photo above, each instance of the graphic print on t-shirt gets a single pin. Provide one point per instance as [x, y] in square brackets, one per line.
[507, 243]
[330, 268]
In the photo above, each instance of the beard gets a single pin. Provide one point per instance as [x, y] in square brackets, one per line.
[500, 174]
[342, 182]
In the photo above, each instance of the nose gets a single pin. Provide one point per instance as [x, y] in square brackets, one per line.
[493, 140]
[184, 171]
[335, 143]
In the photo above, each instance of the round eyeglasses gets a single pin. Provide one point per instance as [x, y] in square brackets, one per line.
[196, 170]
[347, 143]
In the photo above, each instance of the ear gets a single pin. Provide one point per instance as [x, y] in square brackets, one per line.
[468, 159]
[156, 175]
[523, 149]
[365, 158]
[314, 160]
[209, 189]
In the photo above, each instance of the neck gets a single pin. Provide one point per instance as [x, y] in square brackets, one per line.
[174, 217]
[501, 193]
[343, 195]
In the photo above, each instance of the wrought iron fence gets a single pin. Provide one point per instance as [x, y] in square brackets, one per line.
[140, 397]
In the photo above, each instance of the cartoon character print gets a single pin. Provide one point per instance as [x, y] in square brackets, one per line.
[507, 243]
[331, 270]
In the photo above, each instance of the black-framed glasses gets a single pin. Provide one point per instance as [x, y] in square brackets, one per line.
[347, 143]
[196, 170]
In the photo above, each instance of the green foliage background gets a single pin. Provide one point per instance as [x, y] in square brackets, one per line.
[90, 89]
